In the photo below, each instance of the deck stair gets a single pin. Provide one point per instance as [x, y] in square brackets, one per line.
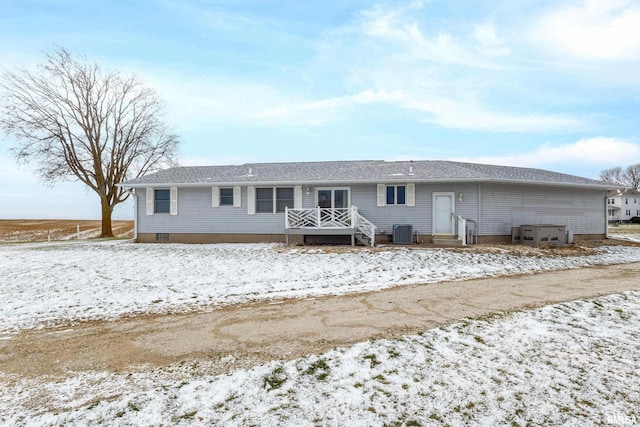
[330, 221]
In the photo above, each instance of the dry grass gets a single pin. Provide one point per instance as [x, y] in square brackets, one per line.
[26, 230]
[626, 229]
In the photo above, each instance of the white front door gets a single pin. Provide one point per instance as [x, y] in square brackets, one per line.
[444, 213]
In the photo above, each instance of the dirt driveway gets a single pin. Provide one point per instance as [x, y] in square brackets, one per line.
[251, 333]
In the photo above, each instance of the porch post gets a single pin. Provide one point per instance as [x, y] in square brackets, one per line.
[354, 217]
[286, 218]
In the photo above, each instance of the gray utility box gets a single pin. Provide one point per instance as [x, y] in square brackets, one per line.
[543, 235]
[402, 234]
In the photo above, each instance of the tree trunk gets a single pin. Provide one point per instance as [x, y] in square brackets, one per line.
[107, 209]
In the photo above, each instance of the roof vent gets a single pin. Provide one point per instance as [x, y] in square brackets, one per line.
[410, 170]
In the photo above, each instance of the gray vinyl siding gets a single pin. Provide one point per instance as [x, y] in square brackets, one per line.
[506, 206]
[503, 206]
[195, 215]
[419, 216]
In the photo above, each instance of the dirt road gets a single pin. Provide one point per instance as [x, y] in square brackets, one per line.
[252, 333]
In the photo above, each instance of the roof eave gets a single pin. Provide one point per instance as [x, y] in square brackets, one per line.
[408, 179]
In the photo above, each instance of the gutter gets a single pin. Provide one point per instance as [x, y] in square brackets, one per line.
[367, 181]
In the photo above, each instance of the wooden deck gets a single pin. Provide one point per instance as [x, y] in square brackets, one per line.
[330, 222]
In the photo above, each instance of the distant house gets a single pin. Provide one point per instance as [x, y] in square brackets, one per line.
[622, 205]
[361, 201]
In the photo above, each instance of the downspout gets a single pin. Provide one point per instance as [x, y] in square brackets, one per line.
[135, 215]
[479, 212]
[606, 215]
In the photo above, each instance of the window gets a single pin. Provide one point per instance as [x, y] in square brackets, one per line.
[284, 198]
[226, 197]
[269, 198]
[626, 201]
[264, 199]
[273, 200]
[162, 201]
[396, 194]
[162, 237]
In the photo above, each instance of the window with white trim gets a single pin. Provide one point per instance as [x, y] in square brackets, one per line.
[264, 200]
[162, 201]
[226, 196]
[396, 194]
[284, 198]
[274, 200]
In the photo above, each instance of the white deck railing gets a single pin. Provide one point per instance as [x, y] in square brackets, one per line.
[365, 227]
[330, 218]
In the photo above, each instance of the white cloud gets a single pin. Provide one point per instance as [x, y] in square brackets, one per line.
[397, 27]
[592, 29]
[463, 114]
[488, 41]
[433, 76]
[597, 151]
[316, 112]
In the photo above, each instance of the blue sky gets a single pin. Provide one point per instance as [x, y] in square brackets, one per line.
[546, 84]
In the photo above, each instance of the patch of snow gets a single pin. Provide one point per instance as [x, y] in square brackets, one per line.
[51, 283]
[574, 363]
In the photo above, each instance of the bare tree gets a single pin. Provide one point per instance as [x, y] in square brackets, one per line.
[632, 176]
[628, 177]
[612, 176]
[75, 120]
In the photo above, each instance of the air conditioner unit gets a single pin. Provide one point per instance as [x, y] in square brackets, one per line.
[402, 234]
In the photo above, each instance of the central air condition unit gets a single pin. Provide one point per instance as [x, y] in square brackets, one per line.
[402, 234]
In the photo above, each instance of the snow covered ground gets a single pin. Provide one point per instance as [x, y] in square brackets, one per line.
[575, 364]
[51, 283]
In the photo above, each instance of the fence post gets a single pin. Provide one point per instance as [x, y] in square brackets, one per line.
[78, 233]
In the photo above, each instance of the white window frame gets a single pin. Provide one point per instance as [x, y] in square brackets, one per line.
[151, 201]
[409, 194]
[297, 198]
[332, 189]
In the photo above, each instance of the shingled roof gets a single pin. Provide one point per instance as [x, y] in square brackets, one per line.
[351, 172]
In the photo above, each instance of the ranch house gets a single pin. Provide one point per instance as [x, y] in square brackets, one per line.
[440, 202]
